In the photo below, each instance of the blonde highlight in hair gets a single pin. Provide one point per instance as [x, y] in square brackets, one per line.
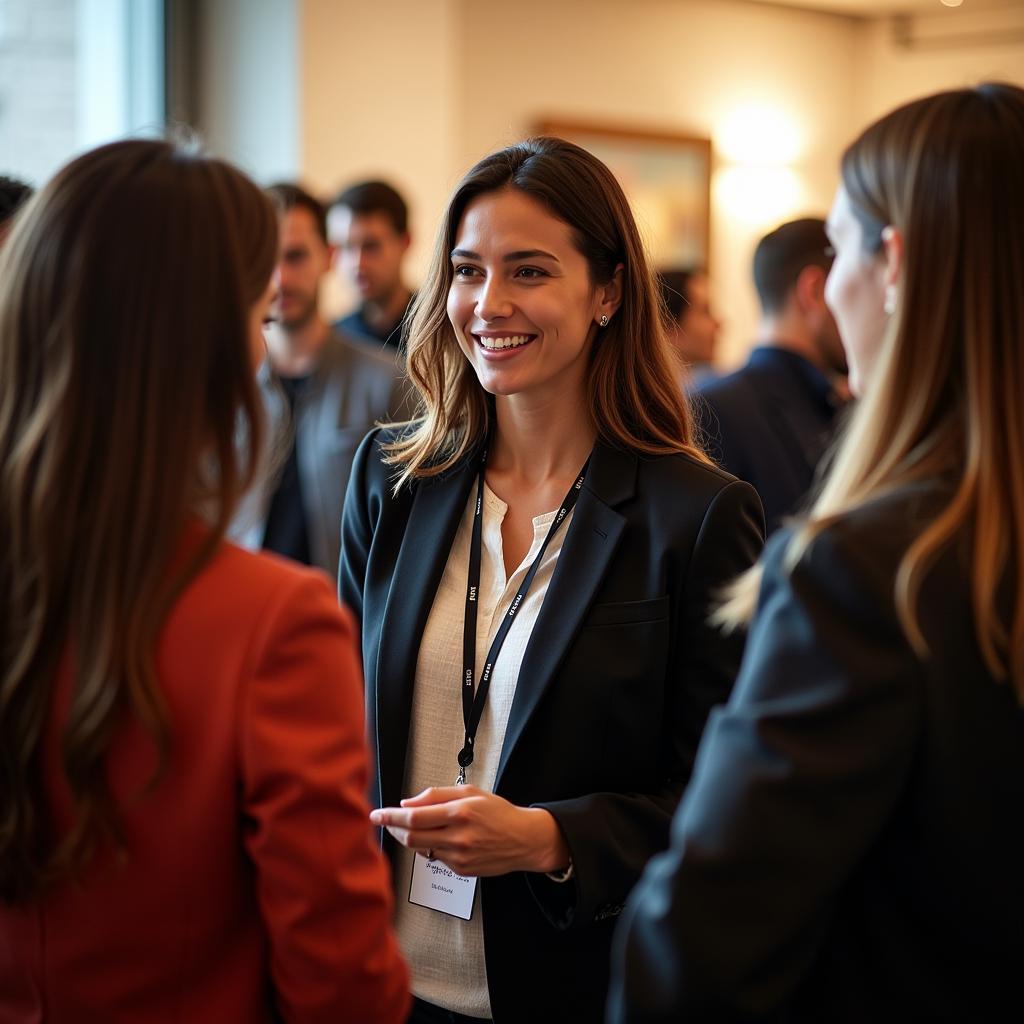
[125, 373]
[946, 401]
[632, 380]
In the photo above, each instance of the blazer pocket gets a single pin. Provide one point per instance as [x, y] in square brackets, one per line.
[625, 613]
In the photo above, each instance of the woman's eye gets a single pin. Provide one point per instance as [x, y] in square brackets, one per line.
[463, 270]
[529, 272]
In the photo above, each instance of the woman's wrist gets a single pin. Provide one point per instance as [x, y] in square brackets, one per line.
[548, 850]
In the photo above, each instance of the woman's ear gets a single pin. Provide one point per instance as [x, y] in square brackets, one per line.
[892, 253]
[892, 267]
[609, 296]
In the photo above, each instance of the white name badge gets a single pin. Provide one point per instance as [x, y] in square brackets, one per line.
[434, 885]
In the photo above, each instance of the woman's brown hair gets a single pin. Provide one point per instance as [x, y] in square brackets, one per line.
[946, 400]
[126, 380]
[632, 378]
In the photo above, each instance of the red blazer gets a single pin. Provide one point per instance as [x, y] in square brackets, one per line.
[250, 883]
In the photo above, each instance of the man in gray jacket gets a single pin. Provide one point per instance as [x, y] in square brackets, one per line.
[322, 390]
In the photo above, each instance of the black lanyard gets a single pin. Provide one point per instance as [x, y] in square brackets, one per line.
[473, 702]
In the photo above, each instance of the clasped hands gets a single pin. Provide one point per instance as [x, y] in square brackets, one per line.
[476, 832]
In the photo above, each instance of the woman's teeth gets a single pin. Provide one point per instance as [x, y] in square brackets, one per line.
[498, 343]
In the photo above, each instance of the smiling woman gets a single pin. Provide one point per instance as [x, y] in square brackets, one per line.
[532, 592]
[521, 302]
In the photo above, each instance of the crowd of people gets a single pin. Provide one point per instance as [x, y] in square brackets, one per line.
[431, 666]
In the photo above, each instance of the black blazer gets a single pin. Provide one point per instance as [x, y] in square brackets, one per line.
[851, 845]
[770, 423]
[614, 689]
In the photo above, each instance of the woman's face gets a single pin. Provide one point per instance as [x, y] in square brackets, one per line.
[521, 301]
[855, 292]
[259, 314]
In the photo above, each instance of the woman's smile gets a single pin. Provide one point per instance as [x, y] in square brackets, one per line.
[496, 344]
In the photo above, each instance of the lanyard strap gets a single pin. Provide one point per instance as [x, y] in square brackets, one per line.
[475, 697]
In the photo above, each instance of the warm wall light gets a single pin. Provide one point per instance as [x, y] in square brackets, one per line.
[759, 133]
[757, 195]
[951, 3]
[758, 143]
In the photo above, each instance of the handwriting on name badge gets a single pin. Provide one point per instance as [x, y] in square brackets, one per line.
[439, 868]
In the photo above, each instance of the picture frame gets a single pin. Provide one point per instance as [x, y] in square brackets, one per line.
[666, 176]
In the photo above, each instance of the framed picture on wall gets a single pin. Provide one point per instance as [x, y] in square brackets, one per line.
[665, 175]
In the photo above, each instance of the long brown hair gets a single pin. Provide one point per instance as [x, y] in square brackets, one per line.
[125, 382]
[946, 399]
[632, 379]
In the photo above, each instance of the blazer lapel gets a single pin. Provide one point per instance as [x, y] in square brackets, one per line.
[586, 553]
[437, 508]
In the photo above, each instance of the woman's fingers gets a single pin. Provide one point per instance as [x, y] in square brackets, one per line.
[440, 795]
[431, 816]
[432, 839]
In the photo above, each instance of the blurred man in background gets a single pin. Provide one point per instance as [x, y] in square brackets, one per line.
[770, 422]
[323, 391]
[693, 328]
[368, 223]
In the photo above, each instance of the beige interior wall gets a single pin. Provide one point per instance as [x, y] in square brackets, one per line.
[889, 74]
[379, 98]
[417, 90]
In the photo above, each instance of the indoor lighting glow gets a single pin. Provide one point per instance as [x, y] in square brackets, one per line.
[757, 195]
[758, 133]
[951, 3]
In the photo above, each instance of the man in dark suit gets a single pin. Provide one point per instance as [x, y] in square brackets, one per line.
[771, 421]
[323, 391]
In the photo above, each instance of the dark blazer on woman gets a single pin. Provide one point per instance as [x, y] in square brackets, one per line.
[614, 689]
[851, 845]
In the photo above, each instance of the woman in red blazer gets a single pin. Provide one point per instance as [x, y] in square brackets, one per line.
[183, 831]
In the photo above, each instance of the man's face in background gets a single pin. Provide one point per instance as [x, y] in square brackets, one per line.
[303, 259]
[370, 252]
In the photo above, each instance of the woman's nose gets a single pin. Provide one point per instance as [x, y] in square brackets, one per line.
[492, 302]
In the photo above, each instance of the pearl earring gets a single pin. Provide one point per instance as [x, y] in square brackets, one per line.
[604, 320]
[889, 305]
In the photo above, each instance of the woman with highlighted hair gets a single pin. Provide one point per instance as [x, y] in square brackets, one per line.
[850, 847]
[182, 767]
[532, 561]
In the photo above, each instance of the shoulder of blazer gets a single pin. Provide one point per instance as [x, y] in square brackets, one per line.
[379, 476]
[664, 477]
[750, 392]
[738, 385]
[860, 552]
[237, 584]
[673, 493]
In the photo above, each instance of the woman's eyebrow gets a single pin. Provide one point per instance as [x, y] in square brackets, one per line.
[529, 254]
[522, 254]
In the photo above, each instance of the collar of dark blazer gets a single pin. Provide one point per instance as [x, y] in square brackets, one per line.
[437, 508]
